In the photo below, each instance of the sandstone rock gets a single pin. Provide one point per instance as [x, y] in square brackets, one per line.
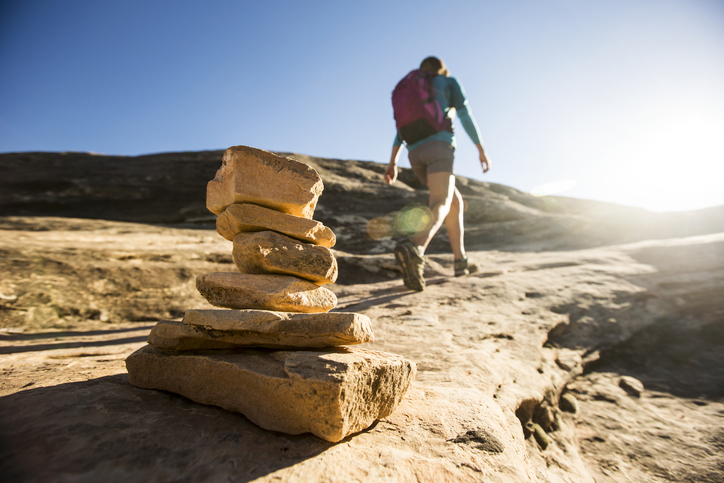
[238, 218]
[540, 436]
[631, 385]
[568, 403]
[482, 440]
[332, 328]
[331, 393]
[271, 252]
[173, 335]
[265, 292]
[249, 175]
[568, 360]
[225, 329]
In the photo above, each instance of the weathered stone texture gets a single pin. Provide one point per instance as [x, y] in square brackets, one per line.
[249, 175]
[332, 393]
[177, 336]
[270, 252]
[331, 328]
[225, 329]
[265, 292]
[238, 218]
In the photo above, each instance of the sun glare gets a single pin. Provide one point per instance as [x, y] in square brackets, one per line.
[553, 188]
[674, 163]
[670, 158]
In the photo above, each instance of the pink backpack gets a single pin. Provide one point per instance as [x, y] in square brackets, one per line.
[417, 112]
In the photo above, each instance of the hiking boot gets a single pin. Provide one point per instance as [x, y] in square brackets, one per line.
[464, 267]
[413, 266]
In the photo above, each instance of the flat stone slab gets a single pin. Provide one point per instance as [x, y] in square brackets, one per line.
[250, 175]
[265, 292]
[177, 336]
[224, 329]
[239, 218]
[308, 330]
[271, 252]
[331, 393]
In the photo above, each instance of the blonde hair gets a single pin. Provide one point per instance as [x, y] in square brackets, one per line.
[433, 64]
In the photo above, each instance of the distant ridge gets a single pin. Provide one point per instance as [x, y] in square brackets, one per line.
[169, 189]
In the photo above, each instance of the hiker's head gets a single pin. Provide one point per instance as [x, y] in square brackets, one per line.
[433, 64]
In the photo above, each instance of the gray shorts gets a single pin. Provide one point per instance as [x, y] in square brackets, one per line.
[431, 157]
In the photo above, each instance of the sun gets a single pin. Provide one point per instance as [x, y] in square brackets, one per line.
[668, 158]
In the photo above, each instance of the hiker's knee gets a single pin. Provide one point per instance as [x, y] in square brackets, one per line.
[457, 200]
[442, 202]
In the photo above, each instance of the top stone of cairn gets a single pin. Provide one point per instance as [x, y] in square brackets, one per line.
[250, 175]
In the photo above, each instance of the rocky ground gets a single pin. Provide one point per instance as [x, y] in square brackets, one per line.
[619, 308]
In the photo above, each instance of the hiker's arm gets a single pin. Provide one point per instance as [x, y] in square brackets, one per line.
[391, 171]
[466, 118]
[465, 114]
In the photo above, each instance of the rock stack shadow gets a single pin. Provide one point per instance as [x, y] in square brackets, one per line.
[274, 352]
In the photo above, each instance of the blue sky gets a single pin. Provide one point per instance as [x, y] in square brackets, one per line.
[619, 101]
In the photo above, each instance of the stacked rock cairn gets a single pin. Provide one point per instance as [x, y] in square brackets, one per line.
[275, 352]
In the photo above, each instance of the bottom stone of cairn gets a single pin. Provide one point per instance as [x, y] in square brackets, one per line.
[331, 393]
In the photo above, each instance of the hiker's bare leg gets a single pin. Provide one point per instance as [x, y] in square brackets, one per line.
[454, 226]
[442, 190]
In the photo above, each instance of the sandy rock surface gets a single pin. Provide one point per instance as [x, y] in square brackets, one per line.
[483, 348]
[571, 297]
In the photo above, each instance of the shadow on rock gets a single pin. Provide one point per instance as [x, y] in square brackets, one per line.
[12, 349]
[670, 335]
[106, 429]
[68, 333]
[668, 356]
[595, 324]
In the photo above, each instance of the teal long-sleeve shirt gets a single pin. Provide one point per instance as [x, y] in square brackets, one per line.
[450, 94]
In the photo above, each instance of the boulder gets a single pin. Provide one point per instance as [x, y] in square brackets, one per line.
[541, 436]
[331, 393]
[271, 252]
[568, 403]
[266, 292]
[631, 385]
[238, 218]
[224, 329]
[249, 175]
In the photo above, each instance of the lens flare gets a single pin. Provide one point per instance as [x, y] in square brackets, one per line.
[409, 221]
[379, 228]
[412, 219]
[553, 188]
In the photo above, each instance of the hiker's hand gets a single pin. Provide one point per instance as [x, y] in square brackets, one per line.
[391, 173]
[484, 162]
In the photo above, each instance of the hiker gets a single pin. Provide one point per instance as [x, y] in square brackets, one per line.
[431, 146]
